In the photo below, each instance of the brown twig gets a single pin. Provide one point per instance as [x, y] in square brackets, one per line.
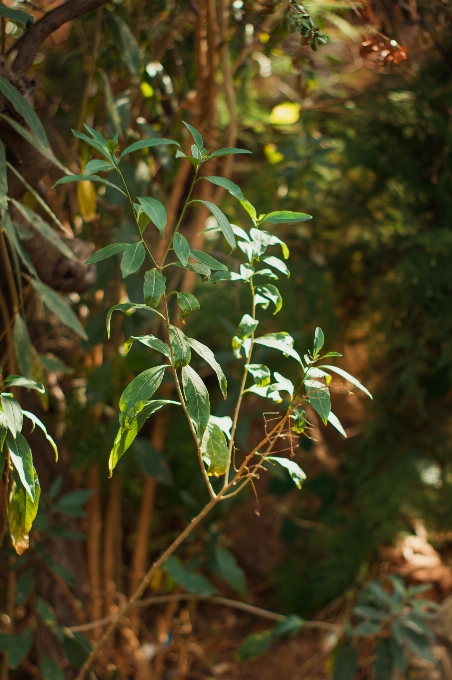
[222, 601]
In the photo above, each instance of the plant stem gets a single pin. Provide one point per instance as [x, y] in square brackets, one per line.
[242, 386]
[179, 222]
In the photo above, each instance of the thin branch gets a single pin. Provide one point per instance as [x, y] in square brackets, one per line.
[28, 45]
[222, 601]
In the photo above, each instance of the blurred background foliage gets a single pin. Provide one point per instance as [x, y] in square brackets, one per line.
[358, 137]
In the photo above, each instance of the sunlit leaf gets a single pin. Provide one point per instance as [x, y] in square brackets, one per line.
[294, 470]
[215, 450]
[222, 221]
[12, 414]
[22, 510]
[35, 420]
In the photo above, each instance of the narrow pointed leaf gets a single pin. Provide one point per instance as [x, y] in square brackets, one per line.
[148, 143]
[180, 347]
[155, 211]
[3, 175]
[16, 16]
[35, 420]
[188, 304]
[232, 188]
[57, 305]
[12, 414]
[319, 340]
[215, 450]
[34, 141]
[95, 166]
[278, 264]
[154, 287]
[280, 341]
[319, 398]
[24, 109]
[138, 392]
[107, 252]
[196, 136]
[208, 260]
[181, 248]
[126, 307]
[270, 292]
[197, 400]
[285, 216]
[335, 422]
[22, 461]
[23, 349]
[209, 358]
[68, 179]
[43, 228]
[132, 258]
[152, 342]
[292, 468]
[227, 151]
[19, 381]
[348, 377]
[222, 221]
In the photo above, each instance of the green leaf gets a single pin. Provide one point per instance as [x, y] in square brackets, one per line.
[126, 436]
[284, 217]
[208, 260]
[46, 613]
[181, 248]
[260, 373]
[194, 583]
[97, 136]
[17, 646]
[151, 461]
[278, 264]
[16, 16]
[319, 339]
[95, 166]
[319, 398]
[132, 258]
[150, 341]
[22, 460]
[233, 189]
[156, 212]
[180, 347]
[246, 327]
[222, 221]
[22, 510]
[70, 504]
[100, 147]
[12, 414]
[294, 470]
[43, 228]
[195, 267]
[25, 585]
[11, 231]
[188, 304]
[268, 293]
[367, 612]
[417, 642]
[280, 341]
[125, 307]
[24, 109]
[345, 663]
[226, 151]
[35, 420]
[254, 645]
[335, 422]
[126, 45]
[227, 567]
[348, 377]
[214, 450]
[34, 141]
[68, 179]
[196, 136]
[384, 661]
[138, 392]
[19, 381]
[154, 287]
[226, 276]
[147, 143]
[3, 175]
[367, 628]
[209, 358]
[197, 400]
[23, 349]
[56, 305]
[107, 252]
[194, 161]
[77, 649]
[290, 626]
[51, 670]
